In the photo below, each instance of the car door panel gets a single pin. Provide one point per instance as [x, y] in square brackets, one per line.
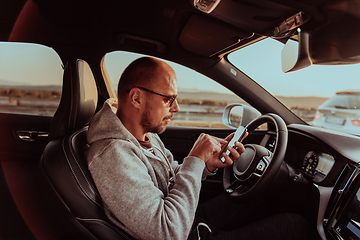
[23, 134]
[19, 157]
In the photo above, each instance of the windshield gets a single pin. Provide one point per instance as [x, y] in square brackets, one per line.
[305, 90]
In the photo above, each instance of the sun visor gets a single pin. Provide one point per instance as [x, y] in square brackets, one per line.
[208, 36]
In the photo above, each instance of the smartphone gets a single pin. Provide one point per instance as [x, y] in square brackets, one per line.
[239, 134]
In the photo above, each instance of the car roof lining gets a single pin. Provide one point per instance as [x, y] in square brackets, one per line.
[96, 25]
[208, 37]
[87, 23]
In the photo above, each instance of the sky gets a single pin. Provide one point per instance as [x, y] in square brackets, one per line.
[39, 65]
[30, 64]
[316, 80]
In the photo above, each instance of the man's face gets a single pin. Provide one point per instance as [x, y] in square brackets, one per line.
[150, 124]
[157, 112]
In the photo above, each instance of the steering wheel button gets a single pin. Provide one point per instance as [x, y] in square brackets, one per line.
[261, 166]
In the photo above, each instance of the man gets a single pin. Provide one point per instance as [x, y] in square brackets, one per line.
[146, 192]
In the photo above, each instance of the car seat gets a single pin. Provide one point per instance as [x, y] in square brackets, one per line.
[67, 186]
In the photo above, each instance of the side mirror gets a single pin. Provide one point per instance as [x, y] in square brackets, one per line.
[296, 54]
[236, 115]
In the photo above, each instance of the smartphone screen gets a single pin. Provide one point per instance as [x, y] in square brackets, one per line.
[239, 133]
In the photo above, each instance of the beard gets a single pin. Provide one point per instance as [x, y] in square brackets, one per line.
[147, 124]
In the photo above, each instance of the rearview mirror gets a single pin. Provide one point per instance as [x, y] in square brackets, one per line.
[296, 54]
[236, 115]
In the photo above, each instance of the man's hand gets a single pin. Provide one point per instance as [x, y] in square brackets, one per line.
[205, 147]
[215, 162]
[208, 149]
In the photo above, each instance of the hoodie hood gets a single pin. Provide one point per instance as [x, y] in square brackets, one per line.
[106, 125]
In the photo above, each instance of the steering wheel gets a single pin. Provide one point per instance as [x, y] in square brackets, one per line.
[257, 166]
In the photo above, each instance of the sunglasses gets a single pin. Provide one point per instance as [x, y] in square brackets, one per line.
[171, 99]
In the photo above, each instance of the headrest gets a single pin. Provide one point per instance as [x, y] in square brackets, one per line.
[78, 100]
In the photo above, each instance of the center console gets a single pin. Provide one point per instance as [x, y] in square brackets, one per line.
[344, 206]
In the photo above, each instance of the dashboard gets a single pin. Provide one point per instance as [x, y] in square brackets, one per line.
[330, 160]
[317, 164]
[325, 175]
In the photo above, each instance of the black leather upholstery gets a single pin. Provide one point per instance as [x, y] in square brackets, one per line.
[67, 182]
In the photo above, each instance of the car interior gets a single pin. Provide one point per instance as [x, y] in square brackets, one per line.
[47, 192]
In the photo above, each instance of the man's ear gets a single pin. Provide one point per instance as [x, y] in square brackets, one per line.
[135, 97]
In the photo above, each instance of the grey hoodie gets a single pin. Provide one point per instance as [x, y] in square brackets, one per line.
[133, 182]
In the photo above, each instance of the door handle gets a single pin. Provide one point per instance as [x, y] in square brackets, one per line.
[31, 136]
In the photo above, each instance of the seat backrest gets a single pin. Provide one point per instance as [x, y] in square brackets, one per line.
[78, 101]
[67, 184]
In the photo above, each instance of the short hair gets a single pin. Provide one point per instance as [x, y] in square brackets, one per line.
[140, 72]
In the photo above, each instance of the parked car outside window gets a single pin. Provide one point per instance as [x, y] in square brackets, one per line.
[341, 112]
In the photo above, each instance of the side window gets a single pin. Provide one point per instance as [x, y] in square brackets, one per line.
[201, 100]
[30, 79]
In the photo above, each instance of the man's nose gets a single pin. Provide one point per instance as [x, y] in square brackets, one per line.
[175, 107]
